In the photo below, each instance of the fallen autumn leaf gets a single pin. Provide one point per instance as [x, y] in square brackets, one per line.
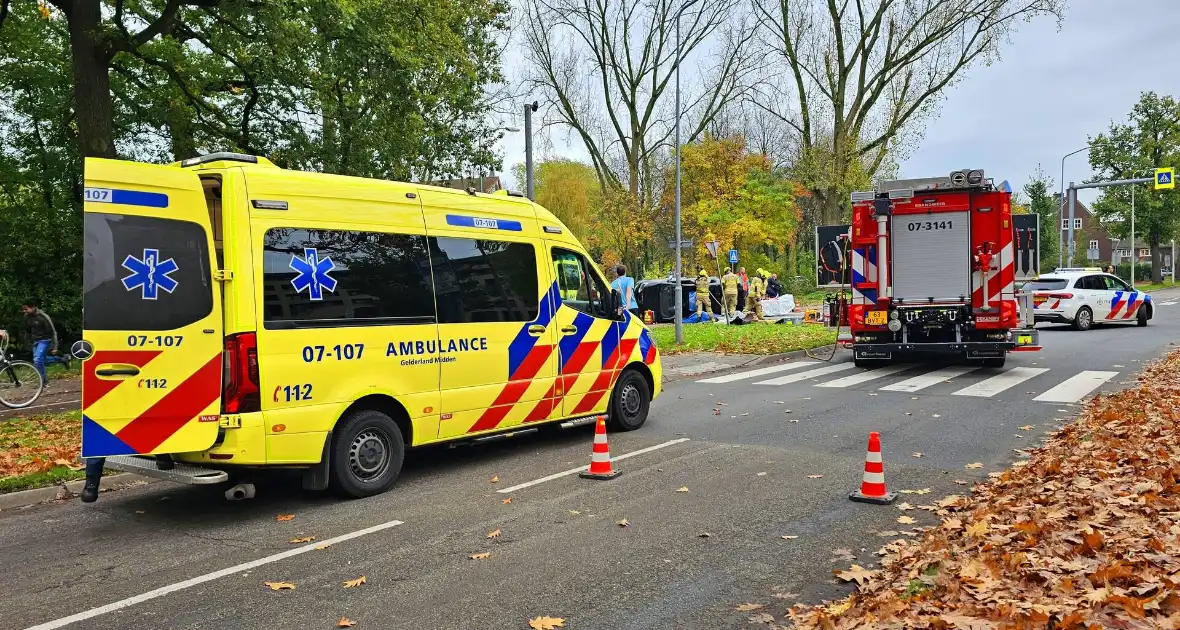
[299, 541]
[623, 522]
[284, 517]
[345, 622]
[480, 556]
[682, 489]
[906, 520]
[546, 623]
[494, 479]
[788, 537]
[494, 534]
[280, 586]
[748, 607]
[814, 476]
[974, 466]
[355, 583]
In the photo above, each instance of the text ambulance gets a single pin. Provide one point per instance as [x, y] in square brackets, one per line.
[243, 315]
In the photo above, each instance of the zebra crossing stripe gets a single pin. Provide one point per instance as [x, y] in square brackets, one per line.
[866, 376]
[802, 376]
[1000, 382]
[729, 378]
[923, 381]
[1075, 387]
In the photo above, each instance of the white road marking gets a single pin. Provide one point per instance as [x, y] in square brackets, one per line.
[729, 378]
[866, 376]
[928, 379]
[566, 473]
[1075, 387]
[1169, 303]
[802, 376]
[1000, 382]
[208, 577]
[55, 404]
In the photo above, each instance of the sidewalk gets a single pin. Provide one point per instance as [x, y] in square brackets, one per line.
[63, 394]
[1085, 534]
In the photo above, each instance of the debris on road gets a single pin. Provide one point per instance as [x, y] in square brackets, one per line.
[546, 623]
[480, 556]
[345, 622]
[1081, 536]
[355, 583]
[280, 586]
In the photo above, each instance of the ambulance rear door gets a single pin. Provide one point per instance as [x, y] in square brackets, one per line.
[151, 313]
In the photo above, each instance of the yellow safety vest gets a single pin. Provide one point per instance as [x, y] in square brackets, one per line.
[756, 287]
[702, 285]
[730, 281]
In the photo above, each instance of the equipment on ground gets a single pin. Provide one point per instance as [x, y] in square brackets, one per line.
[933, 272]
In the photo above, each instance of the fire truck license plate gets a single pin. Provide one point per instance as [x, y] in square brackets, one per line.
[876, 318]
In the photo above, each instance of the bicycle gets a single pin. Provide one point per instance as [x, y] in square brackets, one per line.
[20, 382]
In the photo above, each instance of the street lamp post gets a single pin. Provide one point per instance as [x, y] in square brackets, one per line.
[528, 149]
[1061, 210]
[679, 289]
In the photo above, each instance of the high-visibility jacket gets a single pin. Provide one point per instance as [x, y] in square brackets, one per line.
[730, 282]
[756, 287]
[702, 286]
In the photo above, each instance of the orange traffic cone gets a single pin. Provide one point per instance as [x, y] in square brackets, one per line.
[600, 467]
[872, 487]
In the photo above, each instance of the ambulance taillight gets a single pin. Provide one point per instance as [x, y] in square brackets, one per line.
[240, 393]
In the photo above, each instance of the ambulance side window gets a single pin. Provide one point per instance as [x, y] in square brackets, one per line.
[330, 278]
[578, 285]
[484, 281]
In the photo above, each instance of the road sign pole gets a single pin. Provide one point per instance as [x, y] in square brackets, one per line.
[1134, 254]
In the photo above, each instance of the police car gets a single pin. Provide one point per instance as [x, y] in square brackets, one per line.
[1083, 297]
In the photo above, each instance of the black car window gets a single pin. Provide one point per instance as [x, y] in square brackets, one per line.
[144, 273]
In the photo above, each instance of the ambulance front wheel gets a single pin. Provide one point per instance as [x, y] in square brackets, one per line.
[367, 454]
[630, 402]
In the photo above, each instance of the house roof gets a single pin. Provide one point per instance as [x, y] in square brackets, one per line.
[1080, 209]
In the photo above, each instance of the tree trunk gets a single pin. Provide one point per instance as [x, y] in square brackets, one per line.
[92, 82]
[1157, 274]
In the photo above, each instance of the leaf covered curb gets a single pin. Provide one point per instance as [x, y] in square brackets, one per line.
[1085, 534]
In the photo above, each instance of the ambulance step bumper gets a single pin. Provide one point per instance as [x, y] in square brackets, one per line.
[180, 473]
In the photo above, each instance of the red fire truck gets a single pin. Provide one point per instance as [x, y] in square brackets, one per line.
[932, 273]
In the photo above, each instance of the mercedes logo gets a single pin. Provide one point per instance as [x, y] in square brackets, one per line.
[82, 350]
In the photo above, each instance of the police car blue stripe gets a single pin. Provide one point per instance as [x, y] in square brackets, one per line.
[460, 220]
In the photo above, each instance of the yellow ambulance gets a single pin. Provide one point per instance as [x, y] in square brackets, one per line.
[239, 315]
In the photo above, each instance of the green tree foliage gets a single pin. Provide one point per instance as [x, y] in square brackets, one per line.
[397, 89]
[570, 190]
[1150, 139]
[1042, 203]
[738, 199]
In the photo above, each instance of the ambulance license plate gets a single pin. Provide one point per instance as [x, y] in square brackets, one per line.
[877, 318]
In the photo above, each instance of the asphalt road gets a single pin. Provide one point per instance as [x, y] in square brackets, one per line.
[179, 551]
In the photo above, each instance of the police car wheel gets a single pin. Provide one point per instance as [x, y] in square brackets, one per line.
[367, 454]
[630, 402]
[1141, 319]
[1084, 319]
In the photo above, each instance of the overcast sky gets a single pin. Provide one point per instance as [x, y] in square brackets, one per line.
[1050, 91]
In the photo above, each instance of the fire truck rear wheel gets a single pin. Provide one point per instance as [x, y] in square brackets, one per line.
[1084, 319]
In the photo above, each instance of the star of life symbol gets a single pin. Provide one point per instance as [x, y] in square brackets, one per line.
[313, 273]
[150, 274]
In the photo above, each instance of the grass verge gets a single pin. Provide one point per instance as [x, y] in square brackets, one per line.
[40, 451]
[1082, 535]
[1154, 286]
[748, 339]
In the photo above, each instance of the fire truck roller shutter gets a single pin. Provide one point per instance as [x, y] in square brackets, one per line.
[931, 256]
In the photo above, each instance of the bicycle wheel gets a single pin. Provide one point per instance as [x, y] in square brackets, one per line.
[20, 384]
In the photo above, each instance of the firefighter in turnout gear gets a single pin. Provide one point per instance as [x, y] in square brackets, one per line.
[703, 301]
[730, 283]
[754, 297]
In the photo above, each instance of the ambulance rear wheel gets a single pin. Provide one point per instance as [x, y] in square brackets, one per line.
[629, 402]
[367, 454]
[1084, 319]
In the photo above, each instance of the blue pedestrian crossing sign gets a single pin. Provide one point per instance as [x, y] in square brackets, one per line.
[733, 257]
[1165, 178]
